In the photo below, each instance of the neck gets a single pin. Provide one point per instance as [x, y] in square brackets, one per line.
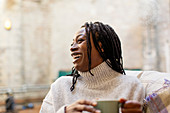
[102, 73]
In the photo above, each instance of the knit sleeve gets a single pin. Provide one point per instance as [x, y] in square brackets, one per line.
[54, 100]
[47, 105]
[139, 93]
[61, 110]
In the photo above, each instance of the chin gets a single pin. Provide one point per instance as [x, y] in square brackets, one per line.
[76, 67]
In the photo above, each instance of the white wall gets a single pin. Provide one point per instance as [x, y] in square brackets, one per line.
[37, 46]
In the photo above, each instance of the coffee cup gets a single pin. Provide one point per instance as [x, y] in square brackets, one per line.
[108, 106]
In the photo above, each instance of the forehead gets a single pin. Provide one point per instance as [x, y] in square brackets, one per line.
[80, 32]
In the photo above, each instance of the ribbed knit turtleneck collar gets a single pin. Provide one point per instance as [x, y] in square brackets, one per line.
[102, 73]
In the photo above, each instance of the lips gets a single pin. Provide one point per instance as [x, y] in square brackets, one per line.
[76, 57]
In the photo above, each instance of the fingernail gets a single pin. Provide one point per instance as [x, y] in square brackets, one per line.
[94, 103]
[98, 111]
[122, 100]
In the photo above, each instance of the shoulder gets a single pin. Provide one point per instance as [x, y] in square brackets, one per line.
[62, 81]
[61, 85]
[130, 79]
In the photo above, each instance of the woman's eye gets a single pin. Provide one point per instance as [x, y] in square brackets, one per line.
[80, 40]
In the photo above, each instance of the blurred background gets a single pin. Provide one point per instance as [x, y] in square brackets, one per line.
[35, 37]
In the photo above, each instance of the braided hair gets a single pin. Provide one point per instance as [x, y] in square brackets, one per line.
[109, 50]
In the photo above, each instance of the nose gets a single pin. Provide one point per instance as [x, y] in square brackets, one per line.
[73, 47]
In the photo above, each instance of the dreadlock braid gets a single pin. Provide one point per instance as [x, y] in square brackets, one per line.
[75, 75]
[109, 50]
[88, 46]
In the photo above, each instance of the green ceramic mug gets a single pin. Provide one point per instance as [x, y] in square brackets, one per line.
[108, 106]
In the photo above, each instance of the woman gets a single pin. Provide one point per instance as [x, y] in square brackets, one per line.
[97, 73]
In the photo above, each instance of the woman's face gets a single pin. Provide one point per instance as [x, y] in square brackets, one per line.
[79, 52]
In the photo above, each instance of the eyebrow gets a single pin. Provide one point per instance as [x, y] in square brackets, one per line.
[79, 35]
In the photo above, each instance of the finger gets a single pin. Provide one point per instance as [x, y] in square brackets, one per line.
[131, 110]
[122, 100]
[86, 102]
[86, 108]
[132, 104]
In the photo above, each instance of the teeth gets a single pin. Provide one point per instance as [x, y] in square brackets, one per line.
[76, 56]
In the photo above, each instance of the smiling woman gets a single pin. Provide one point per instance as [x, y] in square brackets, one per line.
[97, 73]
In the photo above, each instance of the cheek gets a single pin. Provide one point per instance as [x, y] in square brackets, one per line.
[84, 48]
[84, 55]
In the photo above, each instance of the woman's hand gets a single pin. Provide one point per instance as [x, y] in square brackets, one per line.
[131, 106]
[82, 105]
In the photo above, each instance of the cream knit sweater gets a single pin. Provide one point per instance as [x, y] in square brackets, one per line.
[105, 84]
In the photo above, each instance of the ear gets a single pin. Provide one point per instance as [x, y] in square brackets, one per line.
[100, 44]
